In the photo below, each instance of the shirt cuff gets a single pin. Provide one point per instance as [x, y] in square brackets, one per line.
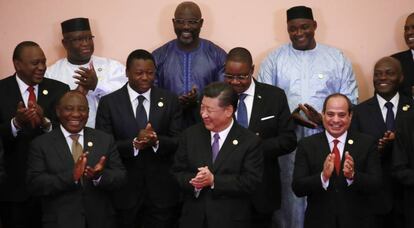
[49, 127]
[197, 192]
[14, 129]
[325, 184]
[96, 181]
[156, 146]
[136, 151]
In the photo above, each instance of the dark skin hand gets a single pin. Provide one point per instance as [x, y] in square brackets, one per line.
[28, 116]
[146, 138]
[190, 98]
[96, 171]
[87, 79]
[388, 138]
[80, 166]
[314, 118]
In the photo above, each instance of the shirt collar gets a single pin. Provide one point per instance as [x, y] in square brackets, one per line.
[67, 134]
[223, 134]
[412, 53]
[394, 100]
[250, 91]
[133, 94]
[23, 86]
[341, 138]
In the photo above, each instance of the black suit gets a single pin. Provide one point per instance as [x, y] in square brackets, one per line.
[407, 63]
[149, 178]
[340, 204]
[16, 148]
[2, 171]
[237, 171]
[403, 164]
[367, 118]
[270, 120]
[67, 204]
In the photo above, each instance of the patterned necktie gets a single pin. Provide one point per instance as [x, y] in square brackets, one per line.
[215, 147]
[389, 119]
[242, 111]
[32, 96]
[337, 161]
[141, 114]
[76, 149]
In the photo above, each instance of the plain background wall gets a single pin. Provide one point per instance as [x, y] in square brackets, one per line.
[365, 30]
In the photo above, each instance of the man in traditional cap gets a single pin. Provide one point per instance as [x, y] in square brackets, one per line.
[308, 72]
[92, 75]
[27, 102]
[187, 64]
[407, 58]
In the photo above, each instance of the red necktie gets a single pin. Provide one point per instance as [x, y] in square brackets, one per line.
[32, 96]
[337, 161]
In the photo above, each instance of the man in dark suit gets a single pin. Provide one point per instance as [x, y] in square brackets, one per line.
[27, 102]
[218, 164]
[376, 117]
[337, 195]
[264, 110]
[145, 134]
[406, 58]
[403, 164]
[73, 168]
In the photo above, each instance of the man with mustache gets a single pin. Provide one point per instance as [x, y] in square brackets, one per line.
[92, 75]
[187, 64]
[406, 58]
[308, 72]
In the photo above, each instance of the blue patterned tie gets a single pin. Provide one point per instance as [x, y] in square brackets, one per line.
[141, 114]
[389, 119]
[215, 147]
[242, 111]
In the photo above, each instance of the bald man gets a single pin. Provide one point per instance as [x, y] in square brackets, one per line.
[377, 117]
[187, 64]
[406, 58]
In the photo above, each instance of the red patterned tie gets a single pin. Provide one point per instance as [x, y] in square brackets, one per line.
[337, 161]
[32, 96]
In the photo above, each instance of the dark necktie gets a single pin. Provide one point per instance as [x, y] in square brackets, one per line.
[32, 96]
[76, 148]
[337, 160]
[242, 111]
[389, 119]
[215, 147]
[141, 114]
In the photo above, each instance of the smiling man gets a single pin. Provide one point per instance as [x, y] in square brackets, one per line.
[378, 117]
[406, 58]
[92, 75]
[337, 170]
[308, 72]
[187, 64]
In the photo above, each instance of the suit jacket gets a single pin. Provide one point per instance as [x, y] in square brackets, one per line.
[367, 118]
[403, 164]
[2, 171]
[347, 204]
[237, 171]
[17, 148]
[66, 204]
[149, 173]
[407, 64]
[270, 120]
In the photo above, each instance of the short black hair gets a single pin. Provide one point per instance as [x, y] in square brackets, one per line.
[224, 92]
[22, 45]
[139, 54]
[240, 54]
[348, 101]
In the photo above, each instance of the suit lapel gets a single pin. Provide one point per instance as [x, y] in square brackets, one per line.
[256, 108]
[376, 114]
[205, 148]
[229, 145]
[14, 92]
[62, 149]
[125, 108]
[89, 145]
[157, 106]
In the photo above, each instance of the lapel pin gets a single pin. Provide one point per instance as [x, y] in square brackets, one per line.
[350, 141]
[258, 96]
[160, 104]
[235, 142]
[90, 144]
[45, 92]
[405, 108]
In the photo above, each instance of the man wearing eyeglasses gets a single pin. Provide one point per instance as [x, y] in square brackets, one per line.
[92, 75]
[263, 109]
[308, 72]
[187, 64]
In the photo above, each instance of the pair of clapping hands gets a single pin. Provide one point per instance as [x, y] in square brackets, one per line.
[82, 169]
[146, 138]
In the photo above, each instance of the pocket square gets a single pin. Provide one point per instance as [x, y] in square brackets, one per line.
[267, 117]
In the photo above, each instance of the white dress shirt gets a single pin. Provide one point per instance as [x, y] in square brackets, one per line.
[382, 101]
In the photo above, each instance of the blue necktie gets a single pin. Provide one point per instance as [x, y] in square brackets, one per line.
[242, 111]
[141, 114]
[389, 119]
[215, 147]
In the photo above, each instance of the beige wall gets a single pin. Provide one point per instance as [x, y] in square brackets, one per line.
[364, 29]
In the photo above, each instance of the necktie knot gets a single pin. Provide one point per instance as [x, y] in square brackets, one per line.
[30, 89]
[335, 141]
[216, 137]
[74, 137]
[242, 96]
[389, 105]
[140, 99]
